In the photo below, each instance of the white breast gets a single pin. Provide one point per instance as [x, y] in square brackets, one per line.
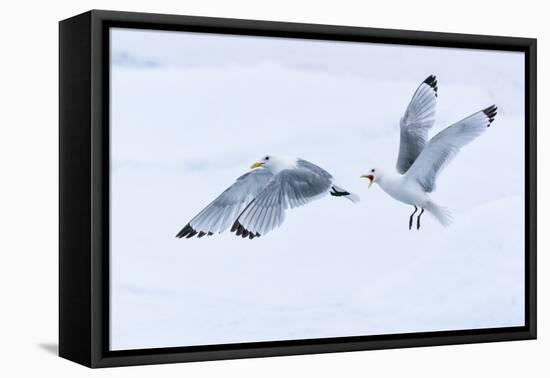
[403, 190]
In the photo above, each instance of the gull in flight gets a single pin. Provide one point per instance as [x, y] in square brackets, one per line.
[421, 161]
[256, 203]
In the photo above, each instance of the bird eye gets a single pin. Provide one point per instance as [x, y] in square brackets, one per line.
[372, 170]
[267, 158]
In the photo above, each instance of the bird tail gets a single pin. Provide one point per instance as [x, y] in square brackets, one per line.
[442, 214]
[336, 191]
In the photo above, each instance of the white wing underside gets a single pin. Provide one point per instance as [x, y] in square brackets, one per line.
[443, 147]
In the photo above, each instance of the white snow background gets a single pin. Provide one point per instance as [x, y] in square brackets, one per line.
[191, 112]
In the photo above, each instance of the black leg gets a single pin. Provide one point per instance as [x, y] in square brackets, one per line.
[411, 218]
[418, 219]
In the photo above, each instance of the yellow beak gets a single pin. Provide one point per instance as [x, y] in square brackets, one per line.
[256, 165]
[370, 177]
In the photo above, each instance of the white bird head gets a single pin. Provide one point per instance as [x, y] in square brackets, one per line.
[373, 176]
[272, 163]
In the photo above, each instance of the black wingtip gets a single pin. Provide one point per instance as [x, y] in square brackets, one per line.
[432, 82]
[240, 230]
[185, 231]
[491, 113]
[188, 232]
[191, 234]
[243, 232]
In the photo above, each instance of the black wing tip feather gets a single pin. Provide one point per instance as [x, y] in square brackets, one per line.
[491, 113]
[185, 231]
[243, 232]
[188, 232]
[432, 82]
[337, 193]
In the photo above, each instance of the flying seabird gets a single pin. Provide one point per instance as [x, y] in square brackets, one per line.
[256, 203]
[420, 161]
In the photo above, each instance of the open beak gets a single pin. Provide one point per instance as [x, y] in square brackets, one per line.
[256, 165]
[370, 177]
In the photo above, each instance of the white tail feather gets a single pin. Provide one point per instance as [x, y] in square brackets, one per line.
[353, 197]
[442, 214]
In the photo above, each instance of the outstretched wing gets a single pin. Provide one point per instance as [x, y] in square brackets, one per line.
[221, 213]
[289, 188]
[443, 147]
[415, 123]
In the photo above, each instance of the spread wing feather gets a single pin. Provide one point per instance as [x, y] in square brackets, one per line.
[415, 123]
[289, 188]
[443, 147]
[221, 213]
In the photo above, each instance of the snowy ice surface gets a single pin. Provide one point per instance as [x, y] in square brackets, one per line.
[190, 112]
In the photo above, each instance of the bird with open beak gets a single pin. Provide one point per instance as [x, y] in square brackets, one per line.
[420, 159]
[370, 178]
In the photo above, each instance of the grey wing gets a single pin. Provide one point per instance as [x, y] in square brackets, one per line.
[220, 214]
[443, 147]
[289, 188]
[304, 164]
[416, 122]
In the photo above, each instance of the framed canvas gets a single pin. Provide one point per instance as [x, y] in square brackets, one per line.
[235, 188]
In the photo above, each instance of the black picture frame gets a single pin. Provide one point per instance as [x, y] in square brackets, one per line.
[84, 188]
